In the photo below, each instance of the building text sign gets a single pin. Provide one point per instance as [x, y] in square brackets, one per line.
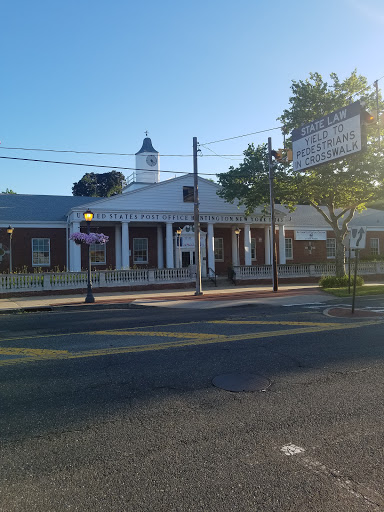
[172, 217]
[334, 136]
[310, 235]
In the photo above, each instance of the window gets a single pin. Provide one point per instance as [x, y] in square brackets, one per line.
[374, 244]
[253, 249]
[140, 250]
[288, 249]
[331, 247]
[41, 254]
[188, 194]
[97, 254]
[219, 249]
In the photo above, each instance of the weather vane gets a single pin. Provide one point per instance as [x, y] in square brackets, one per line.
[146, 133]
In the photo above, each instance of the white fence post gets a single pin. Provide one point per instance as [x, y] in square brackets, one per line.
[151, 276]
[102, 282]
[47, 281]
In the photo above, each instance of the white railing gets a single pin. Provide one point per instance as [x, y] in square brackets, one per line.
[21, 281]
[146, 277]
[100, 279]
[304, 270]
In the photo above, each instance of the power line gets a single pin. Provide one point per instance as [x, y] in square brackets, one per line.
[367, 87]
[239, 136]
[100, 166]
[96, 152]
[221, 156]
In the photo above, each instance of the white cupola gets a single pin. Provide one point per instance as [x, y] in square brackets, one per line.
[147, 163]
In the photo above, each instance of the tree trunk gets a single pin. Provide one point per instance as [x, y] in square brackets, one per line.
[340, 254]
[339, 223]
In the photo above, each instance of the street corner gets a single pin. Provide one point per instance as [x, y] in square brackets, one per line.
[346, 312]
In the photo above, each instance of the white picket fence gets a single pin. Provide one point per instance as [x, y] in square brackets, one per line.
[143, 277]
[304, 270]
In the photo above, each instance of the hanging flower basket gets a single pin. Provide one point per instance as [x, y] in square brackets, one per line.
[92, 238]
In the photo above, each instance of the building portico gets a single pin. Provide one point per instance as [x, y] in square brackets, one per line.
[150, 238]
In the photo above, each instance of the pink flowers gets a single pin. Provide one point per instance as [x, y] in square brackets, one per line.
[92, 238]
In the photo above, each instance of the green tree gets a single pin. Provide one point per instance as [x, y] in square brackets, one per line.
[336, 190]
[8, 191]
[99, 185]
[248, 184]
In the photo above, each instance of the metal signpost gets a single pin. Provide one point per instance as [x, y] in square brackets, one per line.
[347, 247]
[334, 136]
[275, 285]
[357, 239]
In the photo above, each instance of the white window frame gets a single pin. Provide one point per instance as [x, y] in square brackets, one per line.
[98, 248]
[216, 249]
[288, 242]
[330, 247]
[37, 251]
[139, 262]
[253, 247]
[375, 251]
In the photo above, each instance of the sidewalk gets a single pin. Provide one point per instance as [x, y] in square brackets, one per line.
[287, 295]
[177, 298]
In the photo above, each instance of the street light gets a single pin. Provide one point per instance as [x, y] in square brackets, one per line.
[237, 233]
[178, 232]
[88, 216]
[10, 233]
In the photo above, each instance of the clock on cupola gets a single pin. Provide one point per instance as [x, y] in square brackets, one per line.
[147, 163]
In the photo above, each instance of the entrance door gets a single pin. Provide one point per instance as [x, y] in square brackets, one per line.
[186, 258]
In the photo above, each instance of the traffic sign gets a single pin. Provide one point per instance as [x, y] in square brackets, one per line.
[334, 136]
[357, 237]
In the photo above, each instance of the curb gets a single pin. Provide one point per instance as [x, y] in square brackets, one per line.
[31, 309]
[347, 313]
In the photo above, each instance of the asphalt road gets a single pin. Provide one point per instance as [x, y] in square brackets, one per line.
[114, 410]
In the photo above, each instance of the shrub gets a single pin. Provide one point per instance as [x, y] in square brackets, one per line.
[339, 282]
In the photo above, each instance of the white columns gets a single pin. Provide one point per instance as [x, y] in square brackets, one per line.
[169, 245]
[282, 258]
[74, 250]
[211, 247]
[124, 245]
[235, 260]
[247, 245]
[267, 245]
[160, 247]
[118, 263]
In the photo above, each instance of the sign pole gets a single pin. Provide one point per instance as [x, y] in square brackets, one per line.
[355, 279]
[272, 208]
[196, 215]
[349, 271]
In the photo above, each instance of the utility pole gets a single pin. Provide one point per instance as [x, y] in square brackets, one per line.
[272, 208]
[196, 215]
[377, 111]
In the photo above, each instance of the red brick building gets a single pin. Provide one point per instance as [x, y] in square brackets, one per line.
[143, 221]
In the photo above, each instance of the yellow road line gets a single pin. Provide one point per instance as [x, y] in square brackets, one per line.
[196, 340]
[155, 334]
[267, 322]
[79, 333]
[11, 351]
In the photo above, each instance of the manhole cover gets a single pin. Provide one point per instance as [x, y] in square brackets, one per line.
[241, 382]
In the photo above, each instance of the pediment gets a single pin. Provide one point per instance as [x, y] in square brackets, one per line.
[167, 196]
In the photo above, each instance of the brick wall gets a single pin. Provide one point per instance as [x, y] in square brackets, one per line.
[22, 248]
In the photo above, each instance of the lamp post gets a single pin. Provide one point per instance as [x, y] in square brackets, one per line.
[88, 216]
[237, 233]
[178, 232]
[10, 233]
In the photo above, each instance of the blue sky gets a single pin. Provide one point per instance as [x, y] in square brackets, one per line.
[93, 76]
